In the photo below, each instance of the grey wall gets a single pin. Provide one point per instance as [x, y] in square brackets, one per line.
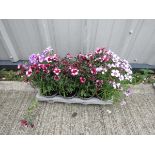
[131, 39]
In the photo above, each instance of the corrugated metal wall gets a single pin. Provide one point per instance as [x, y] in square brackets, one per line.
[131, 39]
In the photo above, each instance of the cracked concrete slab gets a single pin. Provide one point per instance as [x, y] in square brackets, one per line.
[136, 116]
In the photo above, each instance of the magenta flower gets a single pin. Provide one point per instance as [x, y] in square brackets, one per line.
[99, 83]
[98, 51]
[81, 56]
[55, 57]
[69, 56]
[82, 80]
[74, 71]
[29, 72]
[56, 78]
[57, 71]
[48, 59]
[24, 122]
[93, 71]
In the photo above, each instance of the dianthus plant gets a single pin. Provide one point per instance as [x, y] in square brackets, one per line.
[100, 73]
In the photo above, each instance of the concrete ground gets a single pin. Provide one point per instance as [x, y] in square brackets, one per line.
[137, 116]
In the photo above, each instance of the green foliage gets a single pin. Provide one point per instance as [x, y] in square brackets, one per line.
[143, 75]
[86, 90]
[47, 88]
[30, 114]
[67, 86]
[9, 75]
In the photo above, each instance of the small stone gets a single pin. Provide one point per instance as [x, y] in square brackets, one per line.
[123, 103]
[74, 114]
[3, 78]
[108, 111]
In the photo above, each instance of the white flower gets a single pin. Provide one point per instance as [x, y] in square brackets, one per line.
[113, 65]
[128, 77]
[104, 70]
[115, 73]
[109, 65]
[116, 85]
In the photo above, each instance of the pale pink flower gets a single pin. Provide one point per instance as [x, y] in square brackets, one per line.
[121, 78]
[19, 66]
[99, 69]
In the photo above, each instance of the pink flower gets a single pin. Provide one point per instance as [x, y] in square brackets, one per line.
[69, 56]
[98, 51]
[48, 59]
[93, 71]
[105, 58]
[82, 80]
[57, 70]
[37, 71]
[99, 82]
[55, 57]
[19, 66]
[74, 71]
[56, 78]
[89, 56]
[81, 56]
[29, 72]
[24, 122]
[42, 66]
[90, 65]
